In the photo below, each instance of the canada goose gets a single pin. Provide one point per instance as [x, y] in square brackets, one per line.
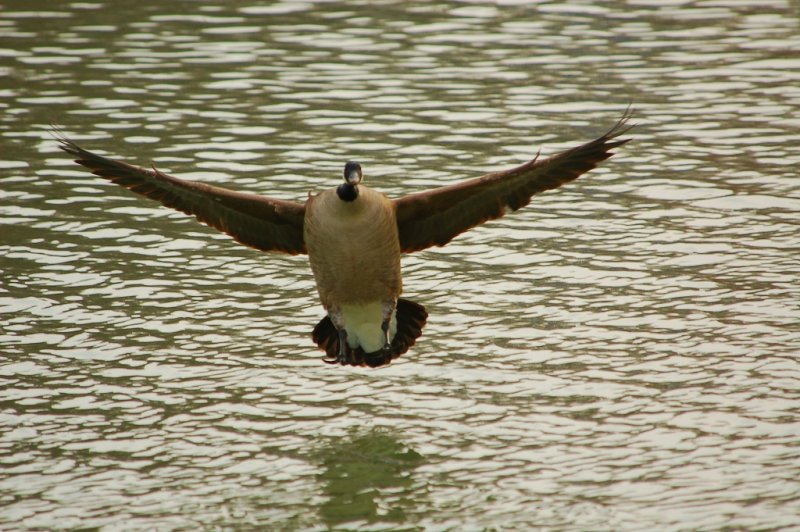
[354, 235]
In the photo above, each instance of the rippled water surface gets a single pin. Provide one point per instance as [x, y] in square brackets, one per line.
[621, 354]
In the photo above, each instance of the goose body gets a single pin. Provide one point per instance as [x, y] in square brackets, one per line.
[353, 247]
[354, 252]
[354, 235]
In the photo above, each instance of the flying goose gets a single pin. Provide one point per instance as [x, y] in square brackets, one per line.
[354, 235]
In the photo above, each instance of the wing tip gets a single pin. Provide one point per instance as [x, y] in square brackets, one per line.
[68, 145]
[622, 126]
[61, 138]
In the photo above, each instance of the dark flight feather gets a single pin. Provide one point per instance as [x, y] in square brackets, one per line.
[434, 217]
[257, 221]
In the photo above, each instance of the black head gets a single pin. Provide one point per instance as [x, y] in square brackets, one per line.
[352, 173]
[348, 191]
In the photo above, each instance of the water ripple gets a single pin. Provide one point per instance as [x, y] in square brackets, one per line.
[620, 354]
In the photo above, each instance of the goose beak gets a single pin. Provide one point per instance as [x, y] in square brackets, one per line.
[352, 173]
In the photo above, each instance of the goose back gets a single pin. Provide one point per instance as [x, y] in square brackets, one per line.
[353, 247]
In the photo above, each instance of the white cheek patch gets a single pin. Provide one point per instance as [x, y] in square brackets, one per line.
[363, 325]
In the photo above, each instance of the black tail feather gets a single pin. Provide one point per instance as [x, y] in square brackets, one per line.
[411, 318]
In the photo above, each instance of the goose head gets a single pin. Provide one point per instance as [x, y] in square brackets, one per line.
[348, 191]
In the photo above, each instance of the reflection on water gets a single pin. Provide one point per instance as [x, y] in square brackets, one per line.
[368, 478]
[620, 354]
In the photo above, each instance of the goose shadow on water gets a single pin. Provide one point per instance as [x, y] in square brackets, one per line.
[368, 479]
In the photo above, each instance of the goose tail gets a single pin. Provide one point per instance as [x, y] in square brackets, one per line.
[411, 318]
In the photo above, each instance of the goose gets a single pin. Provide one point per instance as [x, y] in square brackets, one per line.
[354, 235]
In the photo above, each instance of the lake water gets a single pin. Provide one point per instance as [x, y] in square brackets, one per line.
[622, 354]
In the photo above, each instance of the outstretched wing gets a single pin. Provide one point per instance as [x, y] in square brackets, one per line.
[435, 217]
[263, 223]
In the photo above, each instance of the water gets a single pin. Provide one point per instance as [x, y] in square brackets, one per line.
[621, 354]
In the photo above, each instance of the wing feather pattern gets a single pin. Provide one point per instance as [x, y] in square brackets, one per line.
[257, 221]
[435, 217]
